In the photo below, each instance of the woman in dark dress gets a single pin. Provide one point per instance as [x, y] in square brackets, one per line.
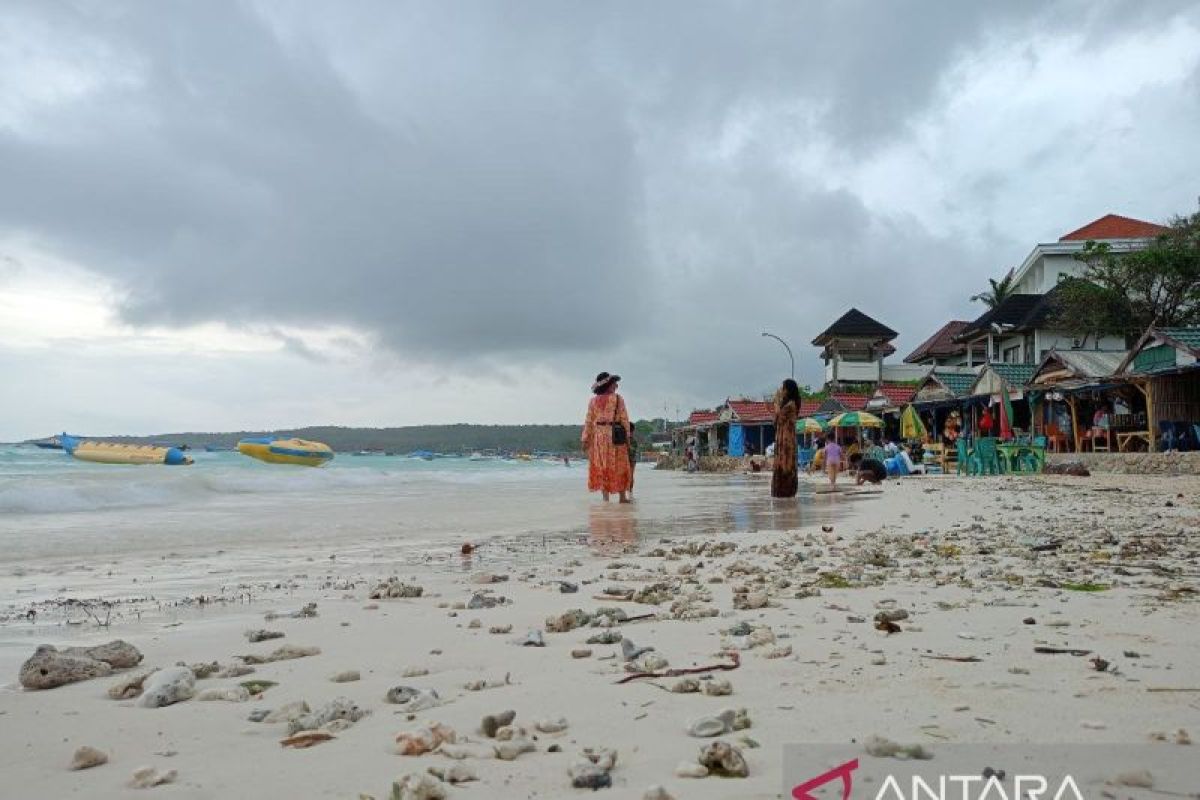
[787, 408]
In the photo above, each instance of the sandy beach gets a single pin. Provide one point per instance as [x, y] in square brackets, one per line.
[973, 575]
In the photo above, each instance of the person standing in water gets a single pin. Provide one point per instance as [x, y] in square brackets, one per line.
[606, 439]
[833, 459]
[787, 407]
[635, 452]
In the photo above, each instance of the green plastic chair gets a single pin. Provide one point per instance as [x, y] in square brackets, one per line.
[968, 462]
[988, 456]
[1035, 458]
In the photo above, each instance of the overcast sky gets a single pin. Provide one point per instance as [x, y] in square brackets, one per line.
[230, 215]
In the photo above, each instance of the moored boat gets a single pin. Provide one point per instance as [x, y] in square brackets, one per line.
[286, 451]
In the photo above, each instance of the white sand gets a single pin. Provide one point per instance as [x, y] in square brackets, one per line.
[961, 602]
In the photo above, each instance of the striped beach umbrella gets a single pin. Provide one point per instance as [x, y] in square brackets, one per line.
[911, 426]
[810, 425]
[856, 419]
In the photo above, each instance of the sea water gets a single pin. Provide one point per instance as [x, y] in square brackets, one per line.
[228, 519]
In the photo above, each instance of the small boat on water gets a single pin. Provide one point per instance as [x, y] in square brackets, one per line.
[112, 453]
[286, 451]
[52, 443]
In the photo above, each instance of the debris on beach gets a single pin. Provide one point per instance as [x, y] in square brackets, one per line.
[50, 667]
[87, 757]
[726, 721]
[454, 774]
[262, 635]
[257, 686]
[345, 676]
[202, 670]
[690, 769]
[567, 621]
[285, 653]
[882, 747]
[167, 687]
[336, 715]
[232, 694]
[149, 777]
[492, 723]
[288, 713]
[418, 786]
[425, 739]
[308, 610]
[129, 687]
[393, 588]
[532, 639]
[555, 725]
[413, 699]
[591, 770]
[236, 671]
[479, 684]
[304, 739]
[723, 759]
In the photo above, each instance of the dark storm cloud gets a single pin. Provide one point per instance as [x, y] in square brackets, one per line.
[492, 178]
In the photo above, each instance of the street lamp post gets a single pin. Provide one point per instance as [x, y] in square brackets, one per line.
[785, 347]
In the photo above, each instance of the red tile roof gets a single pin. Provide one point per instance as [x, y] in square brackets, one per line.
[701, 417]
[941, 343]
[897, 393]
[850, 402]
[752, 410]
[1114, 226]
[809, 406]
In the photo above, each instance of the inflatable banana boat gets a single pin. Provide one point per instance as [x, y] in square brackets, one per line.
[110, 453]
[286, 451]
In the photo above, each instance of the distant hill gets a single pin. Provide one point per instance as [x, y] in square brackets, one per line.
[438, 438]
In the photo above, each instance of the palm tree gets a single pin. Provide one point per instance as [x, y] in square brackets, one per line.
[1001, 290]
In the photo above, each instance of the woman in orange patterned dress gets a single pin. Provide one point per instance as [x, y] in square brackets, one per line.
[608, 463]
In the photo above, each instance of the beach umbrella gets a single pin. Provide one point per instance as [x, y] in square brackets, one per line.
[810, 425]
[1006, 415]
[856, 419]
[911, 426]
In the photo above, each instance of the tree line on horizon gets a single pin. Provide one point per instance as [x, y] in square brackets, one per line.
[458, 438]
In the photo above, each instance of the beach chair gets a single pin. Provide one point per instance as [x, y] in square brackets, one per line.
[987, 457]
[804, 456]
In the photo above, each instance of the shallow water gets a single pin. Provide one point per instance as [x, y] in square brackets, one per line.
[228, 525]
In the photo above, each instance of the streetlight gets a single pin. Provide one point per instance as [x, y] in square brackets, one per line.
[785, 347]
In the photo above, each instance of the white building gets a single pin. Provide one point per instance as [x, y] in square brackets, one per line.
[1021, 330]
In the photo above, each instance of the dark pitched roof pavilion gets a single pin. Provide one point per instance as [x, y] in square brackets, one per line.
[940, 344]
[1018, 312]
[854, 324]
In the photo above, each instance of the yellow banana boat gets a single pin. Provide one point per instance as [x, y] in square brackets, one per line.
[286, 451]
[111, 453]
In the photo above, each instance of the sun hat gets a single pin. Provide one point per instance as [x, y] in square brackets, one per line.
[603, 380]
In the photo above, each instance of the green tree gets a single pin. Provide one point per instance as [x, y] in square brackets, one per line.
[1000, 291]
[1123, 293]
